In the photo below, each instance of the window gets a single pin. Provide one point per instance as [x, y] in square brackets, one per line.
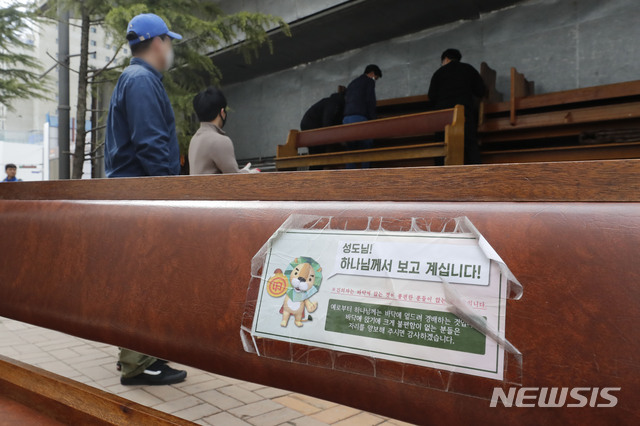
[107, 58]
[93, 42]
[93, 55]
[94, 30]
[126, 51]
[108, 47]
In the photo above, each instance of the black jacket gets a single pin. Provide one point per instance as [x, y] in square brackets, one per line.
[456, 83]
[361, 97]
[324, 113]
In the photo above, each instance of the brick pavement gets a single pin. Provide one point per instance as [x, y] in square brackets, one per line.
[204, 398]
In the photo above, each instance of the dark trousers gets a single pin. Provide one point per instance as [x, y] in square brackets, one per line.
[355, 145]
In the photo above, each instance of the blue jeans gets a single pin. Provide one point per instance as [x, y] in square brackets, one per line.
[352, 146]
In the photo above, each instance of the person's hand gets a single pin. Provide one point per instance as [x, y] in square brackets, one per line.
[248, 169]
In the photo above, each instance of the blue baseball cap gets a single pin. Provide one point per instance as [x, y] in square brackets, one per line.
[147, 26]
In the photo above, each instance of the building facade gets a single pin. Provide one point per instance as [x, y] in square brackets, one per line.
[24, 123]
[560, 44]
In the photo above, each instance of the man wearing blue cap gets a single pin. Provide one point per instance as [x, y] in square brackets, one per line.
[141, 141]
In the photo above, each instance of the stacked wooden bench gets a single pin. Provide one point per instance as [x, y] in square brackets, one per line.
[405, 134]
[162, 265]
[601, 122]
[394, 107]
[407, 137]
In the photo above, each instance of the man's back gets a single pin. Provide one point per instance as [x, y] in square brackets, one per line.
[324, 113]
[360, 99]
[312, 118]
[141, 135]
[455, 83]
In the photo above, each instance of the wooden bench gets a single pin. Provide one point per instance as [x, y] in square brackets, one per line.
[617, 93]
[177, 252]
[420, 103]
[489, 76]
[403, 106]
[397, 129]
[32, 396]
[556, 126]
[520, 88]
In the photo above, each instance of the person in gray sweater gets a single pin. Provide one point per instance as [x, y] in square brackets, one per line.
[211, 150]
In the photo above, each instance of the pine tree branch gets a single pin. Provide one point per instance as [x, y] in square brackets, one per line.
[94, 151]
[61, 64]
[106, 67]
[95, 129]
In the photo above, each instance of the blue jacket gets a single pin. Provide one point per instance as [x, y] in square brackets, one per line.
[141, 128]
[361, 97]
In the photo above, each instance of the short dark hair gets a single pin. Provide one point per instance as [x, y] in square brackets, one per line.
[374, 69]
[208, 104]
[453, 54]
[9, 166]
[144, 45]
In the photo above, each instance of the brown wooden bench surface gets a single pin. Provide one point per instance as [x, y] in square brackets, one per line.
[83, 267]
[607, 151]
[400, 128]
[575, 116]
[574, 96]
[556, 123]
[415, 99]
[33, 396]
[403, 152]
[457, 183]
[520, 88]
[13, 413]
[394, 127]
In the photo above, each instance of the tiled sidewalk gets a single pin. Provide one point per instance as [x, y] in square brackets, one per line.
[204, 398]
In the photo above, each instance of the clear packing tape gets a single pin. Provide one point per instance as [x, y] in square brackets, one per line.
[284, 343]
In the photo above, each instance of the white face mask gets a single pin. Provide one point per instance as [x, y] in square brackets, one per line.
[168, 59]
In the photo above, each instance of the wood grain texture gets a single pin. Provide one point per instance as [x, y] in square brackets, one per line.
[613, 181]
[416, 99]
[50, 399]
[586, 94]
[612, 151]
[569, 117]
[402, 152]
[170, 278]
[403, 126]
[520, 88]
[13, 413]
[396, 129]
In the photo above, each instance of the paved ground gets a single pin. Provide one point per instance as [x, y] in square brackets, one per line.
[204, 398]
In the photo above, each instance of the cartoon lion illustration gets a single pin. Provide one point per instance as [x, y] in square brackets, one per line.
[298, 283]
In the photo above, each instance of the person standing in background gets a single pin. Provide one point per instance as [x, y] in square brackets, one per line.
[211, 150]
[141, 141]
[457, 83]
[324, 113]
[360, 105]
[11, 170]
